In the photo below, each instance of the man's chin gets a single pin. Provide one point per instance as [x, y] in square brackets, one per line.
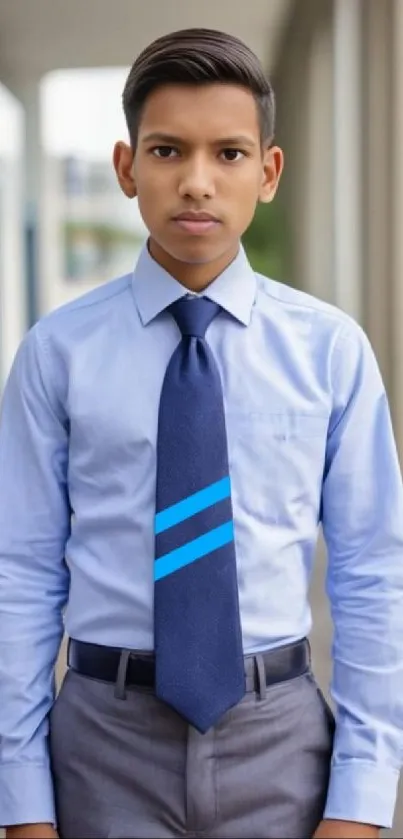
[197, 254]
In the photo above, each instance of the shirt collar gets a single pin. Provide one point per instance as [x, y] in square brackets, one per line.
[154, 289]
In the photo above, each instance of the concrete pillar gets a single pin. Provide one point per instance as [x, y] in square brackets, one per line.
[377, 304]
[319, 156]
[292, 134]
[305, 77]
[347, 163]
[12, 290]
[396, 9]
[29, 95]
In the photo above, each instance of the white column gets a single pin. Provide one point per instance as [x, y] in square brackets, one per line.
[28, 93]
[319, 192]
[378, 183]
[347, 133]
[397, 221]
[12, 288]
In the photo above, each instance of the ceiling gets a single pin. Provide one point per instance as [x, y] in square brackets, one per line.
[37, 36]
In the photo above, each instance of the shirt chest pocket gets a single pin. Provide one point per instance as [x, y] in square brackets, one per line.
[276, 462]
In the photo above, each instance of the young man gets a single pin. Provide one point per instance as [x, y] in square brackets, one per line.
[169, 445]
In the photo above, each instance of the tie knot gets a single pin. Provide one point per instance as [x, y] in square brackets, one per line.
[194, 315]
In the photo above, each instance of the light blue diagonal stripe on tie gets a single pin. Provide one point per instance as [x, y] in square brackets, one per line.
[193, 550]
[192, 505]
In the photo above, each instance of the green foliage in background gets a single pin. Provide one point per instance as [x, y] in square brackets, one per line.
[266, 242]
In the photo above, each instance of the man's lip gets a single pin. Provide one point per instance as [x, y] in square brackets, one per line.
[189, 216]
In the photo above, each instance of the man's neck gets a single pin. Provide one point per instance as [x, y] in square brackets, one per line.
[195, 277]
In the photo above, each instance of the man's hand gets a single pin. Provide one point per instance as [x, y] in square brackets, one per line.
[31, 831]
[335, 829]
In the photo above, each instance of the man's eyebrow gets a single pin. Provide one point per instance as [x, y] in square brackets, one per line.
[160, 137]
[238, 140]
[170, 139]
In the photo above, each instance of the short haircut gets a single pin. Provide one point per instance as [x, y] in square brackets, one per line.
[198, 57]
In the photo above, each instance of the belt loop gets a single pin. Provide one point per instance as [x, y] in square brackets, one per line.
[261, 676]
[68, 652]
[309, 652]
[120, 686]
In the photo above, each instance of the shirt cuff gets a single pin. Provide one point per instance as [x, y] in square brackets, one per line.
[26, 794]
[362, 792]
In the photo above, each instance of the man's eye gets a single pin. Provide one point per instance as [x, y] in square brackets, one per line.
[164, 151]
[232, 155]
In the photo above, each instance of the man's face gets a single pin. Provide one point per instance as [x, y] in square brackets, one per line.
[199, 169]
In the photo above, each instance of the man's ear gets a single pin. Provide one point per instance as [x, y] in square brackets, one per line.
[123, 159]
[273, 163]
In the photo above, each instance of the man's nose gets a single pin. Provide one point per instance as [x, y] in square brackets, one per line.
[197, 180]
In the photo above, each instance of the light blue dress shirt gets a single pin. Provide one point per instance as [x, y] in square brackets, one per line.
[310, 442]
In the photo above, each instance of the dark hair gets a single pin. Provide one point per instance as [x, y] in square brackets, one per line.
[197, 57]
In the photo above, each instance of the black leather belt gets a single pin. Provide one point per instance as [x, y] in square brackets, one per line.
[99, 662]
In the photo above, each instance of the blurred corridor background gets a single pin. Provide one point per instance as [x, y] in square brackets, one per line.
[336, 227]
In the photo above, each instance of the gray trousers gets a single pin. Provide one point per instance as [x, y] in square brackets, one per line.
[133, 768]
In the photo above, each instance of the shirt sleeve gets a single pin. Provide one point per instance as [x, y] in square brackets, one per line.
[362, 517]
[34, 527]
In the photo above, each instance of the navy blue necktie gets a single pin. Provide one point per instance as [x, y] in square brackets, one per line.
[198, 642]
